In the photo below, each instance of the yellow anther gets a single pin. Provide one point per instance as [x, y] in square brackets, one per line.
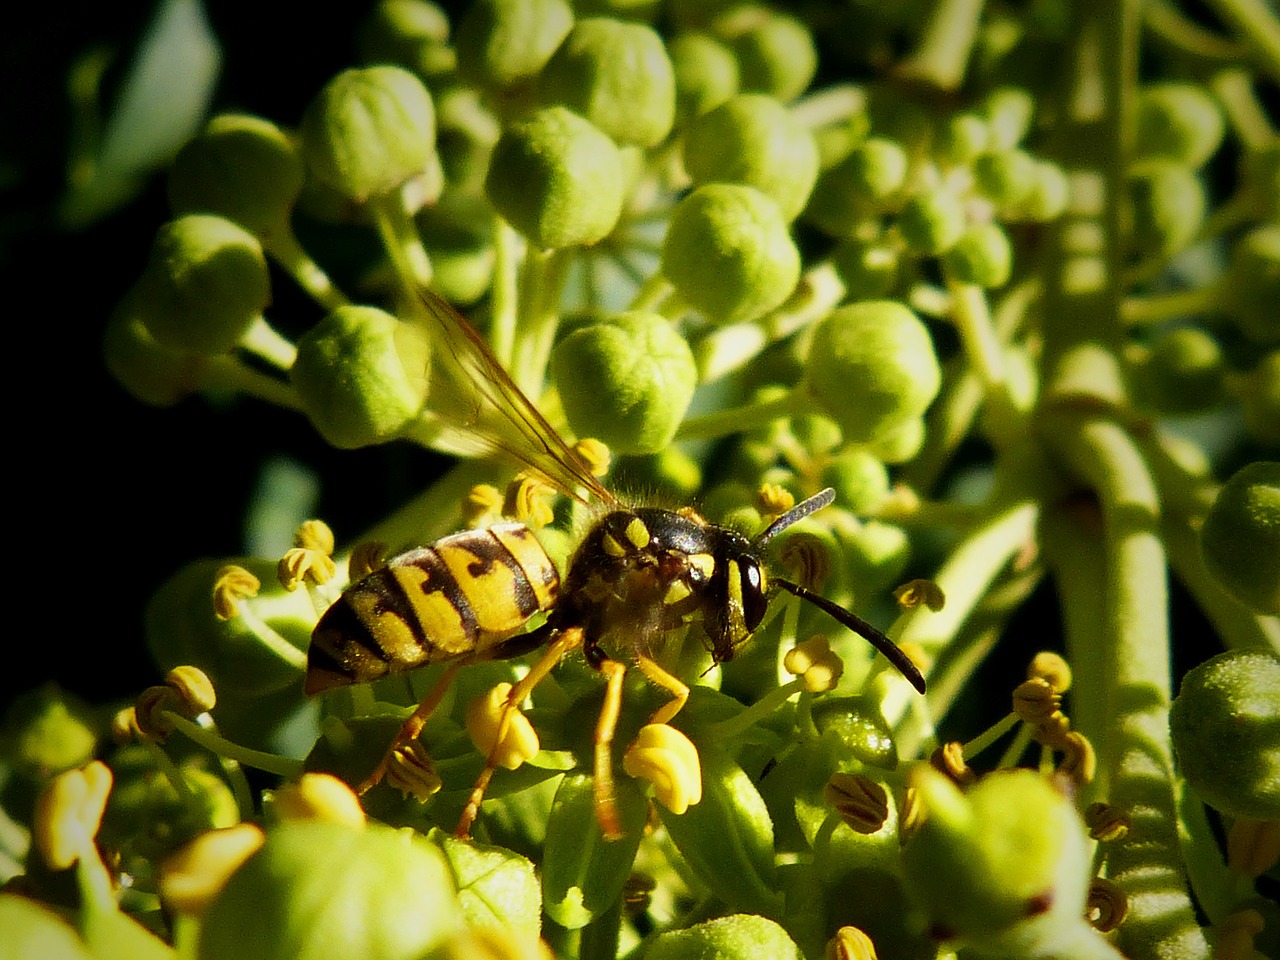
[1053, 730]
[124, 726]
[920, 593]
[595, 455]
[150, 709]
[668, 759]
[1035, 700]
[318, 796]
[194, 689]
[806, 557]
[195, 874]
[1079, 762]
[1106, 823]
[850, 943]
[231, 586]
[1052, 668]
[774, 500]
[314, 535]
[1253, 846]
[815, 662]
[366, 557]
[1236, 934]
[910, 815]
[481, 505]
[300, 565]
[1107, 905]
[510, 745]
[529, 499]
[68, 813]
[411, 770]
[949, 759]
[860, 802]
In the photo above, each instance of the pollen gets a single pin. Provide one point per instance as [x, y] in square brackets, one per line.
[668, 759]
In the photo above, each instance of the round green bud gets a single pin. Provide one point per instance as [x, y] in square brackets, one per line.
[900, 442]
[1183, 371]
[362, 375]
[413, 34]
[626, 380]
[369, 130]
[557, 178]
[1177, 121]
[501, 43]
[1006, 177]
[729, 254]
[1166, 204]
[1048, 196]
[860, 480]
[741, 936]
[931, 221]
[872, 366]
[465, 134]
[706, 72]
[152, 373]
[241, 167]
[1240, 539]
[982, 255]
[1008, 856]
[875, 555]
[46, 731]
[1008, 112]
[961, 138]
[397, 897]
[617, 75]
[868, 268]
[873, 172]
[753, 139]
[776, 56]
[1259, 394]
[1253, 284]
[1225, 726]
[205, 285]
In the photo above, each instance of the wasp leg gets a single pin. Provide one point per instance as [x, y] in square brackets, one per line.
[566, 641]
[606, 808]
[413, 726]
[659, 677]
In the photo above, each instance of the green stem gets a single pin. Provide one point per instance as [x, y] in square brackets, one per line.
[284, 247]
[403, 243]
[942, 52]
[830, 105]
[504, 306]
[1159, 308]
[724, 422]
[263, 340]
[1259, 28]
[989, 736]
[1166, 22]
[1235, 90]
[229, 373]
[760, 710]
[541, 284]
[272, 763]
[983, 349]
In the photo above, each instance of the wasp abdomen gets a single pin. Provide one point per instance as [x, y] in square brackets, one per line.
[454, 598]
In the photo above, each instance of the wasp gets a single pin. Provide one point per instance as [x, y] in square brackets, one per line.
[638, 574]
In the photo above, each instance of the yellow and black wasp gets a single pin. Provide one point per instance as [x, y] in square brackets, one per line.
[639, 573]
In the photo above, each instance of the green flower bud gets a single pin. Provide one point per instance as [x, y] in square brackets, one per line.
[982, 255]
[1166, 203]
[362, 375]
[670, 473]
[501, 43]
[205, 285]
[150, 372]
[899, 443]
[617, 75]
[465, 134]
[931, 221]
[754, 140]
[1253, 284]
[1258, 392]
[728, 252]
[557, 179]
[776, 56]
[369, 130]
[1004, 864]
[241, 167]
[1047, 199]
[397, 898]
[876, 554]
[33, 930]
[413, 34]
[868, 268]
[1008, 112]
[864, 182]
[872, 366]
[860, 480]
[47, 731]
[1224, 723]
[1006, 177]
[706, 72]
[458, 235]
[961, 138]
[180, 627]
[739, 937]
[1183, 372]
[1240, 539]
[1177, 121]
[626, 381]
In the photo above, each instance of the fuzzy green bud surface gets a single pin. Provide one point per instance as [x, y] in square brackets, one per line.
[776, 56]
[362, 375]
[1225, 725]
[860, 480]
[737, 937]
[932, 221]
[1253, 284]
[241, 167]
[1240, 538]
[754, 140]
[873, 172]
[369, 130]
[706, 72]
[413, 34]
[150, 372]
[626, 380]
[1183, 372]
[504, 42]
[728, 252]
[982, 256]
[616, 74]
[1166, 201]
[1177, 121]
[873, 366]
[1005, 176]
[205, 285]
[557, 178]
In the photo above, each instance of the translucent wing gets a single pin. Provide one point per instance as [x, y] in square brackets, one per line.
[491, 413]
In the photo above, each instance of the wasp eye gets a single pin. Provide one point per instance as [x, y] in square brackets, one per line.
[754, 601]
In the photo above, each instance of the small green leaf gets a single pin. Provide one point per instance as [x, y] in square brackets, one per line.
[497, 888]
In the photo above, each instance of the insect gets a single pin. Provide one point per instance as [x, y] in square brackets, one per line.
[640, 572]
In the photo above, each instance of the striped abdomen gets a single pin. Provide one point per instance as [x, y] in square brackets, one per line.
[456, 597]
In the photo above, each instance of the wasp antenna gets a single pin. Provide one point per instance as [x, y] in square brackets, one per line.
[801, 510]
[857, 625]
